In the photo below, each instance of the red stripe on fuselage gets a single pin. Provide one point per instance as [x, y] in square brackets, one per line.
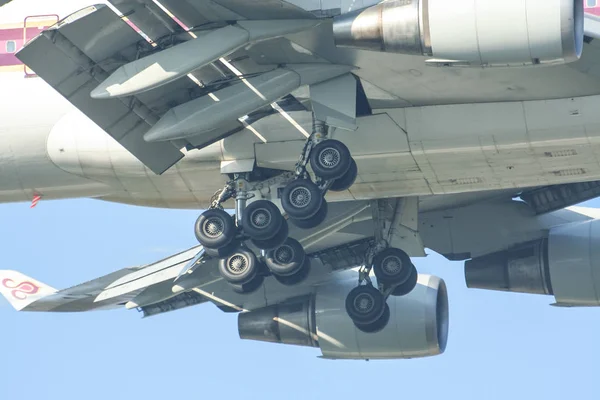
[9, 59]
[14, 35]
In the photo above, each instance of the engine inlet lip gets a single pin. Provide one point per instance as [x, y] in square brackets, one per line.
[572, 28]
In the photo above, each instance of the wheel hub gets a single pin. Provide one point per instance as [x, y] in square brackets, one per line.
[237, 264]
[300, 197]
[364, 303]
[329, 158]
[261, 218]
[284, 254]
[392, 265]
[213, 227]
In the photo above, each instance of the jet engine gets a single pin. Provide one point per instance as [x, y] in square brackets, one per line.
[469, 32]
[566, 265]
[417, 327]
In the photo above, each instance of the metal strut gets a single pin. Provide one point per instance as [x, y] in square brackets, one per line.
[319, 133]
[238, 189]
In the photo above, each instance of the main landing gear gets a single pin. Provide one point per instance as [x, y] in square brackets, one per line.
[261, 225]
[303, 199]
[396, 276]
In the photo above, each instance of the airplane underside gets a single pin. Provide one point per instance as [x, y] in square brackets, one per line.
[212, 111]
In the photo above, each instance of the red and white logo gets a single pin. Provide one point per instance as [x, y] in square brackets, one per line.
[20, 290]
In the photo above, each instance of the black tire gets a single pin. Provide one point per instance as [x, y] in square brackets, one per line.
[287, 259]
[240, 267]
[346, 181]
[330, 159]
[301, 199]
[377, 325]
[261, 220]
[408, 286]
[249, 287]
[215, 229]
[275, 241]
[392, 266]
[313, 221]
[298, 277]
[222, 252]
[365, 305]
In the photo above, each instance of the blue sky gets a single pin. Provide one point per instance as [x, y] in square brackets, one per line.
[501, 345]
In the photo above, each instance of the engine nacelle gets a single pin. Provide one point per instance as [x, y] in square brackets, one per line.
[418, 325]
[469, 32]
[566, 265]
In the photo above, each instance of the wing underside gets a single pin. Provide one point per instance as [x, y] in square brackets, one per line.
[87, 48]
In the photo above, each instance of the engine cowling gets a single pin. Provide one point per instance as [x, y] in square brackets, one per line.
[418, 325]
[566, 265]
[469, 32]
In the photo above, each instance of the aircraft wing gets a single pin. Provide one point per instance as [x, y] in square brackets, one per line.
[110, 291]
[132, 74]
[157, 287]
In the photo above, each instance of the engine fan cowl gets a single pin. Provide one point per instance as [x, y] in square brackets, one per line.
[469, 32]
[418, 325]
[566, 265]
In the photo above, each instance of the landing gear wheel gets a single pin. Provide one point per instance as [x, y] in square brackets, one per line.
[365, 305]
[298, 277]
[261, 220]
[276, 240]
[408, 286]
[222, 252]
[249, 287]
[215, 229]
[330, 159]
[240, 267]
[392, 266]
[346, 181]
[287, 259]
[313, 221]
[301, 199]
[377, 325]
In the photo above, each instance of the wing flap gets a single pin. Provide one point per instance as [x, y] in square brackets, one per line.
[203, 13]
[70, 58]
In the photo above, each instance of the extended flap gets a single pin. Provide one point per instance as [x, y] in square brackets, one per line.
[76, 55]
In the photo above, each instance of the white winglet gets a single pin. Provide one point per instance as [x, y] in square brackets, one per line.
[21, 290]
